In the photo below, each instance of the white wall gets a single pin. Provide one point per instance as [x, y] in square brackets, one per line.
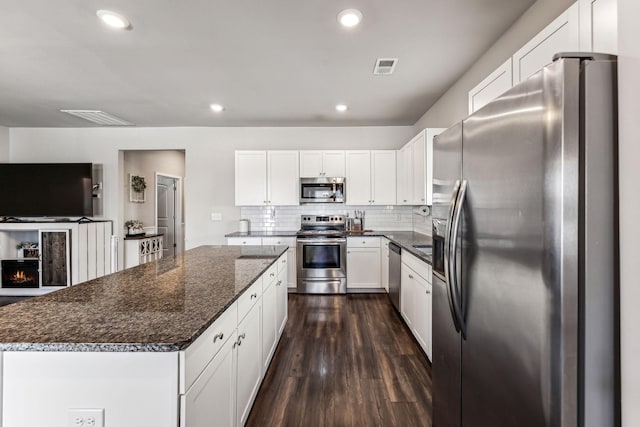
[4, 144]
[453, 106]
[147, 163]
[209, 157]
[629, 128]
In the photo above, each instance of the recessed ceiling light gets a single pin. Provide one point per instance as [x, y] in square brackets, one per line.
[217, 108]
[341, 108]
[350, 17]
[114, 20]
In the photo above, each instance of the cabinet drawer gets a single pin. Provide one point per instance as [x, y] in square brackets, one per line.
[283, 262]
[279, 241]
[207, 345]
[249, 298]
[240, 241]
[363, 242]
[270, 275]
[420, 267]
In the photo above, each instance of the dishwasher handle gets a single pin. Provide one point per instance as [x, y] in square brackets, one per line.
[394, 248]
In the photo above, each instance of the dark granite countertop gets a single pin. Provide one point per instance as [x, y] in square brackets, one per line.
[406, 239]
[159, 306]
[263, 234]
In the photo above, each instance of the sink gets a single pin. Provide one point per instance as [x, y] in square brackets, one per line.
[425, 249]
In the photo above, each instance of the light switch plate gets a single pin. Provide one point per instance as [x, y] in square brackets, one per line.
[85, 417]
[216, 217]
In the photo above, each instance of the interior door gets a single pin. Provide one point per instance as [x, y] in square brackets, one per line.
[166, 203]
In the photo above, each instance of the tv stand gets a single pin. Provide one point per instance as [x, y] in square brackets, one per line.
[68, 253]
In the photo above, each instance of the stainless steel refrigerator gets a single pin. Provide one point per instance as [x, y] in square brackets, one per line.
[525, 263]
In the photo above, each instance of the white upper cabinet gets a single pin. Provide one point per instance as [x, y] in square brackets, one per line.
[562, 35]
[358, 177]
[415, 169]
[371, 177]
[498, 82]
[330, 163]
[266, 178]
[383, 177]
[599, 26]
[404, 193]
[282, 178]
[251, 178]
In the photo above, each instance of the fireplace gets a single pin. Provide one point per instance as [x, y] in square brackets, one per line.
[20, 274]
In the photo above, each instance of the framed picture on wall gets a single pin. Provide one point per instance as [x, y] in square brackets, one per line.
[137, 186]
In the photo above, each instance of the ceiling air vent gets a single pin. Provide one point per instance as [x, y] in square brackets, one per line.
[385, 66]
[99, 117]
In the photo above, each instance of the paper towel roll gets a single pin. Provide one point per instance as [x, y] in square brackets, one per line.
[244, 226]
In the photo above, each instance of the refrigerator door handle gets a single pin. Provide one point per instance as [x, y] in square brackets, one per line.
[453, 259]
[447, 253]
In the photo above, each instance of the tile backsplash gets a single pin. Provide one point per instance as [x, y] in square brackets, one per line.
[287, 218]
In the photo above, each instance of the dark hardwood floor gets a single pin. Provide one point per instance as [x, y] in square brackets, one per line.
[345, 361]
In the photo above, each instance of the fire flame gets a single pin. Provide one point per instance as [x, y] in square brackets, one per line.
[20, 277]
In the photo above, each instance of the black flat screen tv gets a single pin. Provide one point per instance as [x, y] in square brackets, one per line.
[46, 189]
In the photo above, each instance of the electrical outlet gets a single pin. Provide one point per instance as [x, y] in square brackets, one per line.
[216, 217]
[90, 417]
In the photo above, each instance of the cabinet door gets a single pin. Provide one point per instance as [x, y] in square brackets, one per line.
[358, 177]
[562, 35]
[421, 311]
[311, 164]
[283, 182]
[249, 362]
[404, 185]
[599, 26]
[406, 295]
[212, 396]
[491, 87]
[251, 178]
[55, 255]
[384, 265]
[334, 163]
[429, 321]
[292, 273]
[244, 241]
[282, 298]
[419, 153]
[430, 133]
[383, 177]
[269, 323]
[360, 274]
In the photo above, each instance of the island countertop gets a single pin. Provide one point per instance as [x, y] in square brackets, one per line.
[159, 306]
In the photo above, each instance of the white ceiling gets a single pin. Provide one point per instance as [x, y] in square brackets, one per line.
[270, 62]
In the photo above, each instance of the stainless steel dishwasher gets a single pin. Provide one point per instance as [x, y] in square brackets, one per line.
[395, 262]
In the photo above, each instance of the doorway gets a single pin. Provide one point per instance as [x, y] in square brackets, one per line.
[168, 212]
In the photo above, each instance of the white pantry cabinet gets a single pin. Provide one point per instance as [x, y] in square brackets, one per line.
[416, 300]
[266, 178]
[362, 254]
[371, 177]
[561, 35]
[326, 163]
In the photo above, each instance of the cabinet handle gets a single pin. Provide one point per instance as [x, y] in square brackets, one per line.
[279, 283]
[348, 252]
[272, 274]
[428, 292]
[218, 336]
[253, 296]
[405, 201]
[422, 200]
[364, 242]
[242, 336]
[235, 344]
[410, 276]
[284, 261]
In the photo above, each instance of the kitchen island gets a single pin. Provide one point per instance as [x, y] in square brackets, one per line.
[142, 346]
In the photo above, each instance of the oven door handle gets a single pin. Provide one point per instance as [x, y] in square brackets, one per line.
[321, 241]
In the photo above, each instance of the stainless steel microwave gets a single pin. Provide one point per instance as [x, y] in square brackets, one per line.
[322, 190]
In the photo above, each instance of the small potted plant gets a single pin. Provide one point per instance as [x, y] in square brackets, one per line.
[134, 227]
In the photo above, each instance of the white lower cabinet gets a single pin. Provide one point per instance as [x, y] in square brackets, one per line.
[363, 253]
[212, 396]
[269, 321]
[384, 264]
[282, 298]
[416, 300]
[249, 362]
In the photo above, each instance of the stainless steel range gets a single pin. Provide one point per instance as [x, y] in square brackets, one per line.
[322, 255]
